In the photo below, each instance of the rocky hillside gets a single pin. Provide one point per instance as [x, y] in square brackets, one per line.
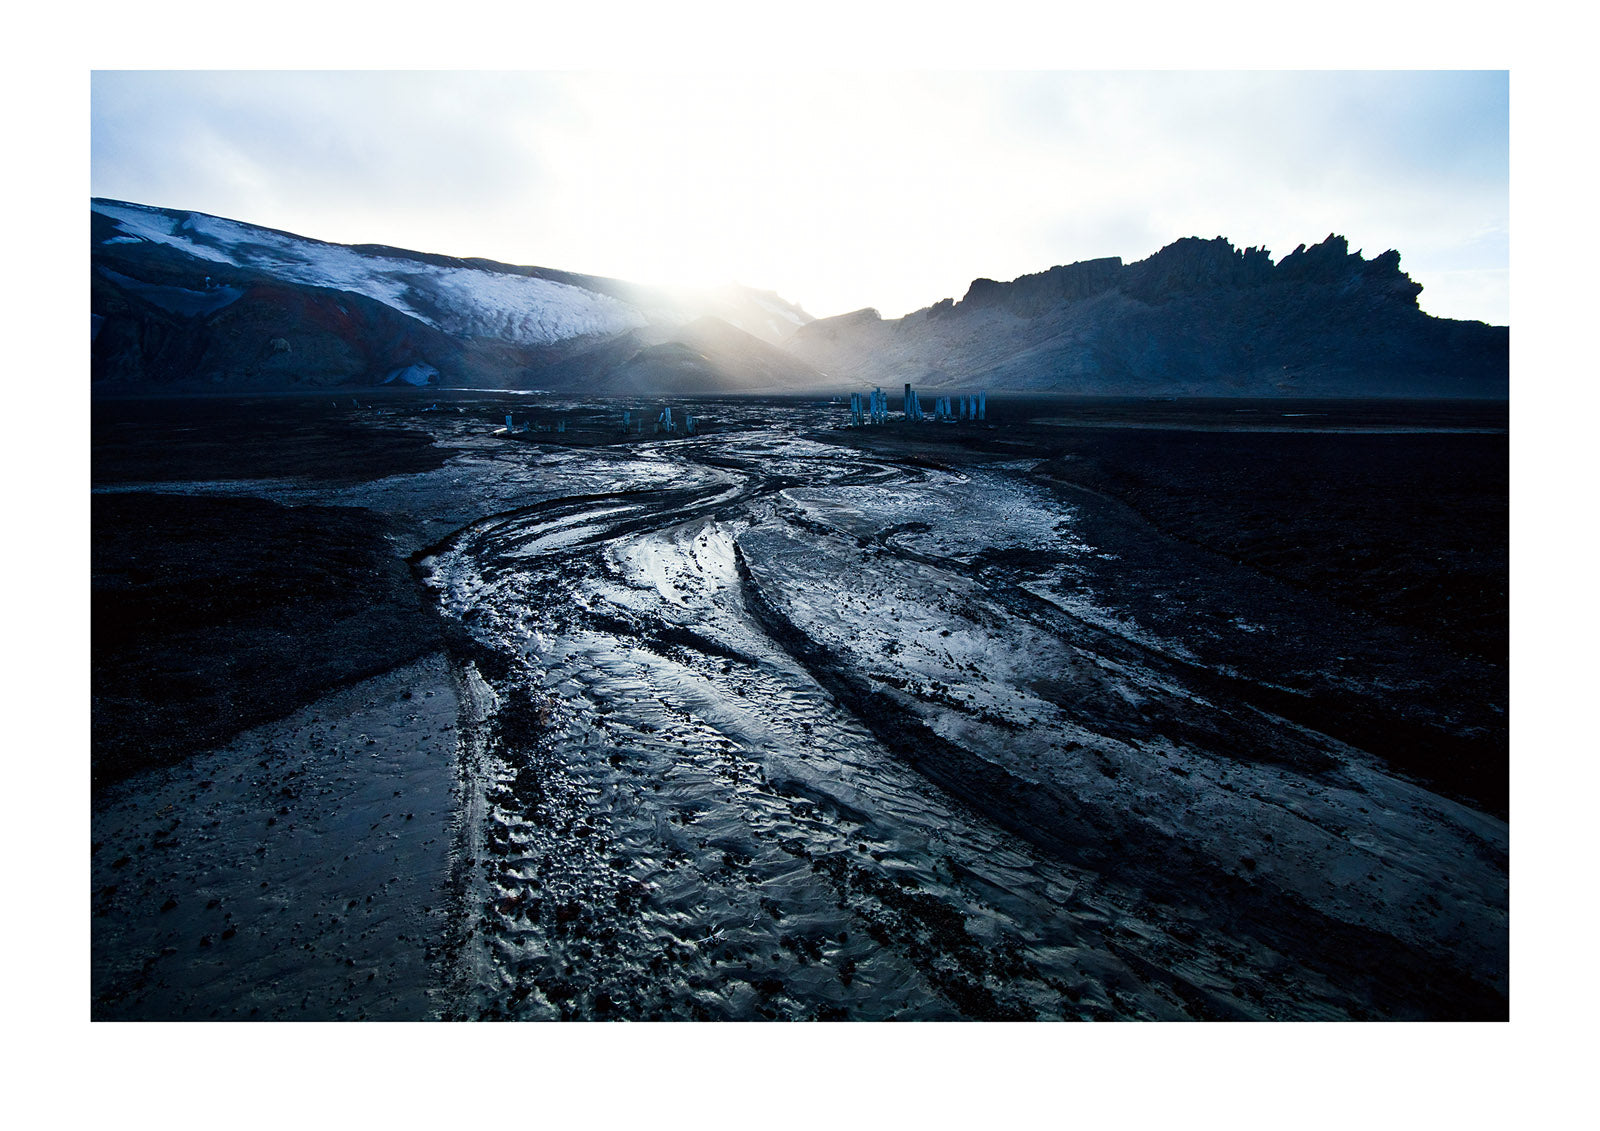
[1198, 318]
[187, 301]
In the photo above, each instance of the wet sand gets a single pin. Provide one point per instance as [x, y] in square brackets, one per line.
[299, 872]
[664, 773]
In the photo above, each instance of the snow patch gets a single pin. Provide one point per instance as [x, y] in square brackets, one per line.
[157, 227]
[460, 300]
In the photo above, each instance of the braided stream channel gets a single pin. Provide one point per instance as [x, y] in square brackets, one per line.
[798, 731]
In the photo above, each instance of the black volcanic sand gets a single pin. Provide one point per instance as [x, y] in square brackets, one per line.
[300, 871]
[209, 438]
[285, 819]
[272, 721]
[1367, 538]
[682, 816]
[213, 614]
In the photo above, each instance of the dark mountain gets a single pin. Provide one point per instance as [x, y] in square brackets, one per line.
[1198, 318]
[187, 301]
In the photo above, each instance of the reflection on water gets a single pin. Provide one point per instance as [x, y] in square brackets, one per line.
[778, 728]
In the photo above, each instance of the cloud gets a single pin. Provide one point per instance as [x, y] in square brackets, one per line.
[839, 190]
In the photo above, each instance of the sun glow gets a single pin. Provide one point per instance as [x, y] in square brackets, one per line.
[837, 190]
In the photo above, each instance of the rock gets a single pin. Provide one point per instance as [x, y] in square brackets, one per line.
[1198, 318]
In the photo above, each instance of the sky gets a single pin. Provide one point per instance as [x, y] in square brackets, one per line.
[837, 189]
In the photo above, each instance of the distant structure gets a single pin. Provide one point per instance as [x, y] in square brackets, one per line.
[945, 409]
[912, 404]
[664, 421]
[873, 406]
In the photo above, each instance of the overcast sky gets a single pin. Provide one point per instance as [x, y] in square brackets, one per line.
[837, 190]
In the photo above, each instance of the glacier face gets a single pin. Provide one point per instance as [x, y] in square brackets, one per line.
[461, 300]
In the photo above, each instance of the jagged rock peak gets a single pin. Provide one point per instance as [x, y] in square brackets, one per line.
[1188, 266]
[1200, 317]
[1332, 261]
[1193, 263]
[1030, 294]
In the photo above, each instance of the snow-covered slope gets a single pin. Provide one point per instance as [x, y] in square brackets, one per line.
[465, 301]
[188, 300]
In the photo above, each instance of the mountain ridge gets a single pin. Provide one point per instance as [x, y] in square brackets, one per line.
[1197, 318]
[187, 301]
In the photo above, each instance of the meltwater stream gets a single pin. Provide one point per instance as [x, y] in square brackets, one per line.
[771, 737]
